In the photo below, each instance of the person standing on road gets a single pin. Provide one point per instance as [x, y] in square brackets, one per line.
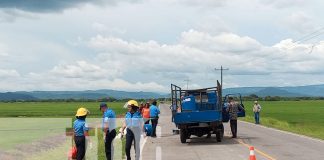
[80, 133]
[256, 110]
[233, 108]
[154, 116]
[141, 107]
[133, 122]
[108, 127]
[146, 113]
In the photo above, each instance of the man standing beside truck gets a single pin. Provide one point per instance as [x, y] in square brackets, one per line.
[233, 109]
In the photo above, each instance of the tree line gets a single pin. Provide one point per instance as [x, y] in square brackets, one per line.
[252, 97]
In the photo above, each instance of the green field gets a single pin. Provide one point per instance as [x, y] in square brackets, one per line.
[302, 117]
[54, 109]
[34, 125]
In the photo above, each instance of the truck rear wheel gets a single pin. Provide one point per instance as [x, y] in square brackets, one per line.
[183, 135]
[220, 133]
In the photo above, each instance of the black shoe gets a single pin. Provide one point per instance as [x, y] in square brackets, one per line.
[233, 136]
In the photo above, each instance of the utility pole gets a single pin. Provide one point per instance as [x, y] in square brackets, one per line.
[221, 69]
[187, 80]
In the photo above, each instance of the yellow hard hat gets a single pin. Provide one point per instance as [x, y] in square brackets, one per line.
[82, 112]
[132, 102]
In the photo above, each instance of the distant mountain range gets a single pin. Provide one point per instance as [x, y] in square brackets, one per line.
[89, 94]
[300, 91]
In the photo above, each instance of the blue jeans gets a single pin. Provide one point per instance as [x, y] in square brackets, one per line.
[257, 117]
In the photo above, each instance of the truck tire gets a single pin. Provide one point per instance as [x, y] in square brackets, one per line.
[218, 136]
[183, 135]
[220, 133]
[222, 130]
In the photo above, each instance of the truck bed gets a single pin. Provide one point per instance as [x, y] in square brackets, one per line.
[198, 116]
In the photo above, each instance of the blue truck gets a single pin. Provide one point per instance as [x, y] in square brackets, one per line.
[200, 112]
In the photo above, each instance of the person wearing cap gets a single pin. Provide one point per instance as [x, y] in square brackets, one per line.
[154, 116]
[133, 122]
[256, 110]
[80, 131]
[108, 127]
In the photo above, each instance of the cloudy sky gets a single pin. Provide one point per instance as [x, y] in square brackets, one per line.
[144, 45]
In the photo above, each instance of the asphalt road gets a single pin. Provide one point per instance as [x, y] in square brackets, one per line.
[269, 144]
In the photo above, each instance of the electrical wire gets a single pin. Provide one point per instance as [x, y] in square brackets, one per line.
[302, 38]
[307, 37]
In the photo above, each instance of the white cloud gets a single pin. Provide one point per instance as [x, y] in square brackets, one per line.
[138, 47]
[3, 51]
[8, 73]
[197, 50]
[151, 66]
[83, 69]
[50, 81]
[99, 27]
[102, 28]
[198, 3]
[284, 3]
[194, 51]
[224, 42]
[300, 22]
[212, 24]
[119, 62]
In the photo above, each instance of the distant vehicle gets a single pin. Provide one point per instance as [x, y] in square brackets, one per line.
[200, 111]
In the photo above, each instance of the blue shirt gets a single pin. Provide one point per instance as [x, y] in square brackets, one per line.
[133, 120]
[109, 117]
[80, 126]
[154, 111]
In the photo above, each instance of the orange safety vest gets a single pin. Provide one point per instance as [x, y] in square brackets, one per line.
[146, 112]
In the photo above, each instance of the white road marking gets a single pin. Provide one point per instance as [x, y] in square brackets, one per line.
[294, 134]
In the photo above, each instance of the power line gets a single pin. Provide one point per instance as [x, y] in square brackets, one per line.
[310, 34]
[307, 37]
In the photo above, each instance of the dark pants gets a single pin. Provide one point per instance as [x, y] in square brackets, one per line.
[109, 138]
[233, 127]
[133, 134]
[146, 120]
[154, 121]
[80, 144]
[257, 117]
